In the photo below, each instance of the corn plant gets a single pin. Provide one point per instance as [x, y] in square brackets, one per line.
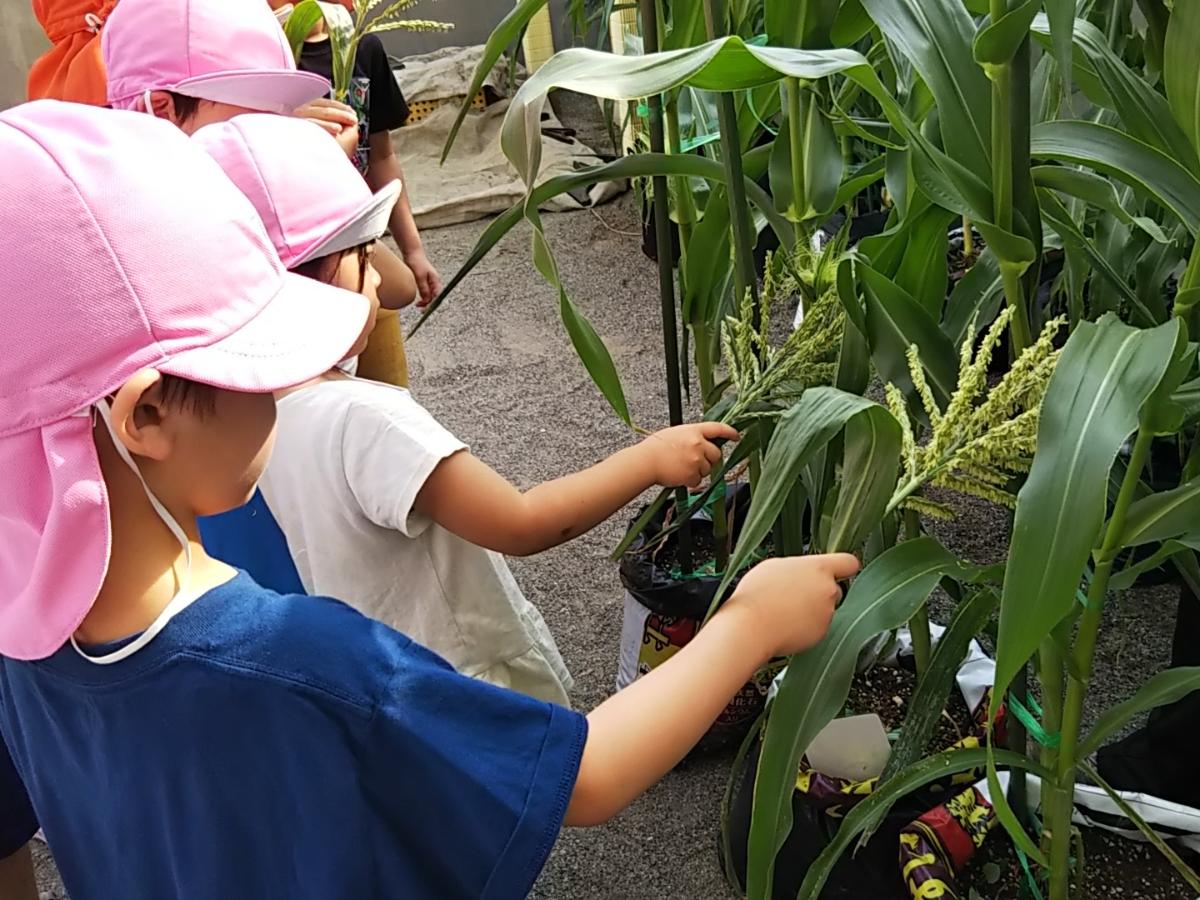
[346, 29]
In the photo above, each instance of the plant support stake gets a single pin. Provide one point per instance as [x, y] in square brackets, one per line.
[744, 276]
[666, 272]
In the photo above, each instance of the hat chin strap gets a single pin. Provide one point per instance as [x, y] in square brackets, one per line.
[183, 597]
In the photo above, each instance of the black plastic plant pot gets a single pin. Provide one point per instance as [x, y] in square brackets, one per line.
[871, 873]
[665, 607]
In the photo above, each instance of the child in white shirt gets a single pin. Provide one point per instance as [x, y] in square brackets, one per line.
[379, 504]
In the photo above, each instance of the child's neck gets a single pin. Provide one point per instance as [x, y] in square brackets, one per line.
[146, 560]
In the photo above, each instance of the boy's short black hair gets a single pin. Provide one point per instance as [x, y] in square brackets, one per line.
[182, 393]
[185, 106]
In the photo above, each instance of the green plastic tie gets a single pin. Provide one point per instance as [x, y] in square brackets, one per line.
[643, 111]
[1031, 723]
[1030, 878]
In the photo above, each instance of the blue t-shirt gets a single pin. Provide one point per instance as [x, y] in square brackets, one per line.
[250, 538]
[273, 746]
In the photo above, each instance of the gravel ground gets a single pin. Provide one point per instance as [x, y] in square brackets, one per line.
[494, 365]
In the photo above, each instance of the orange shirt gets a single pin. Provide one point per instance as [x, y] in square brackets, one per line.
[72, 69]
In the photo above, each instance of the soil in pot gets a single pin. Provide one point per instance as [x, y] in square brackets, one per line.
[1115, 868]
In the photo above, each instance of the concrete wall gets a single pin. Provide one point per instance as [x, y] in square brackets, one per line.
[473, 22]
[21, 42]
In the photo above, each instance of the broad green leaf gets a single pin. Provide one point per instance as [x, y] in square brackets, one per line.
[975, 299]
[1187, 872]
[913, 254]
[933, 690]
[299, 25]
[1165, 687]
[1166, 514]
[859, 180]
[588, 345]
[870, 467]
[851, 25]
[1180, 72]
[502, 37]
[816, 685]
[895, 321]
[854, 362]
[798, 23]
[875, 806]
[726, 64]
[1060, 16]
[1143, 110]
[1168, 550]
[823, 163]
[1096, 190]
[816, 418]
[936, 36]
[999, 41]
[1106, 373]
[1060, 220]
[638, 166]
[1125, 158]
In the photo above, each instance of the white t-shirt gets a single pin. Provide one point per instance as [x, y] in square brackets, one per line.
[350, 458]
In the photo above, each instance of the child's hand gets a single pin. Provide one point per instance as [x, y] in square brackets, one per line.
[789, 602]
[337, 118]
[683, 455]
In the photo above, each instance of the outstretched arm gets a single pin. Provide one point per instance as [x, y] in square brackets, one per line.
[467, 497]
[782, 606]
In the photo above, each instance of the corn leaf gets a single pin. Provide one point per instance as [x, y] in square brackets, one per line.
[1180, 72]
[1126, 159]
[933, 690]
[1060, 17]
[726, 64]
[936, 37]
[304, 18]
[1143, 110]
[1165, 687]
[817, 417]
[816, 685]
[502, 37]
[588, 345]
[1106, 375]
[894, 322]
[871, 462]
[1164, 515]
[997, 43]
[1097, 191]
[641, 165]
[976, 298]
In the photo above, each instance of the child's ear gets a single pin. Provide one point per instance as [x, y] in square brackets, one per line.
[162, 105]
[139, 414]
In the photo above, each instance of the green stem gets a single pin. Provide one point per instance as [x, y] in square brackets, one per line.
[968, 242]
[918, 625]
[705, 367]
[793, 94]
[744, 276]
[686, 215]
[666, 273]
[1058, 821]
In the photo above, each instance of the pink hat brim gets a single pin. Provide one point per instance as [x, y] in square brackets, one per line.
[368, 224]
[307, 329]
[279, 91]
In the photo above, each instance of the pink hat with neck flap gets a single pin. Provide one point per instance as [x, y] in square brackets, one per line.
[308, 193]
[127, 248]
[226, 51]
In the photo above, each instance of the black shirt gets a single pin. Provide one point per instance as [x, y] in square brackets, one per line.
[374, 92]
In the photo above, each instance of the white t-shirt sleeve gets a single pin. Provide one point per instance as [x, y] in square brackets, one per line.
[390, 446]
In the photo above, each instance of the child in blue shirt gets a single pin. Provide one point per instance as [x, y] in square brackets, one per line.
[181, 731]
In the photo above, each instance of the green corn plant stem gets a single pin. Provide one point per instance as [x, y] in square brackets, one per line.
[1003, 157]
[744, 276]
[666, 271]
[918, 625]
[1058, 810]
[796, 102]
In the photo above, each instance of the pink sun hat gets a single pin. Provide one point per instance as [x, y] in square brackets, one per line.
[127, 248]
[309, 194]
[226, 51]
